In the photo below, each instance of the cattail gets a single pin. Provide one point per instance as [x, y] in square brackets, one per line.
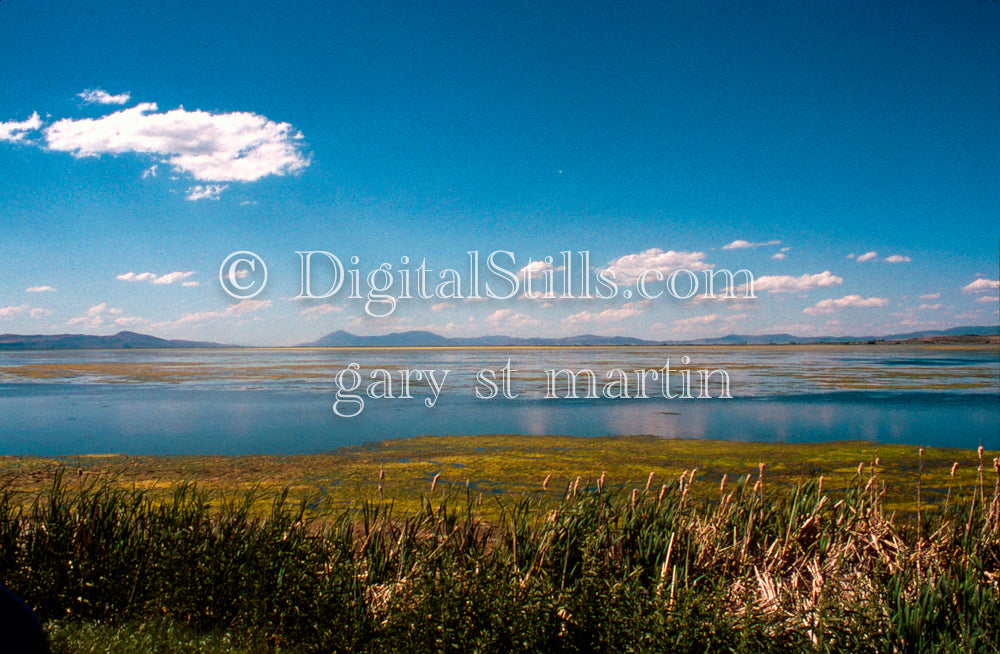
[954, 467]
[663, 491]
[545, 484]
[434, 482]
[861, 467]
[600, 482]
[649, 480]
[980, 450]
[635, 496]
[819, 491]
[381, 474]
[576, 486]
[722, 484]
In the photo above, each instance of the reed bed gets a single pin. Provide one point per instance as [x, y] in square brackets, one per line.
[741, 567]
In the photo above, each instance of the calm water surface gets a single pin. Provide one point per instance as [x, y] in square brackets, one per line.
[280, 401]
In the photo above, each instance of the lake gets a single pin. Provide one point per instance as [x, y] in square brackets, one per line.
[280, 401]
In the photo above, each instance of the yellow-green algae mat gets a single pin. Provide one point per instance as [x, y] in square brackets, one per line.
[504, 465]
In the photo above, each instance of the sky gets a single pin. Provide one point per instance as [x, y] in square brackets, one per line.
[846, 154]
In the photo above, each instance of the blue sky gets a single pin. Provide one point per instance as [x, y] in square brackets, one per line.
[850, 147]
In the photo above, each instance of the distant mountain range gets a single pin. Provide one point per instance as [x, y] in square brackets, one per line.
[430, 339]
[132, 340]
[119, 341]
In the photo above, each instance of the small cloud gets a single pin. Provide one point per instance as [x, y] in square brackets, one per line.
[785, 249]
[320, 310]
[986, 299]
[790, 284]
[508, 319]
[10, 312]
[699, 323]
[981, 285]
[737, 245]
[628, 268]
[928, 307]
[898, 258]
[536, 269]
[14, 131]
[846, 302]
[40, 289]
[190, 284]
[100, 96]
[850, 256]
[930, 296]
[630, 310]
[149, 172]
[95, 316]
[241, 309]
[867, 256]
[206, 192]
[38, 312]
[441, 306]
[780, 256]
[152, 278]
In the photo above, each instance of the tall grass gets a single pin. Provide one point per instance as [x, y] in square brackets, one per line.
[738, 567]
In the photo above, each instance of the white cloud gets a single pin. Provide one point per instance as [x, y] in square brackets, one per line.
[785, 249]
[780, 256]
[928, 307]
[987, 299]
[930, 296]
[981, 285]
[100, 96]
[227, 147]
[206, 192]
[846, 302]
[130, 321]
[737, 245]
[149, 172]
[630, 310]
[10, 312]
[628, 268]
[536, 269]
[190, 284]
[509, 319]
[241, 309]
[94, 317]
[152, 278]
[790, 284]
[898, 258]
[441, 306]
[40, 289]
[320, 310]
[867, 256]
[14, 131]
[712, 319]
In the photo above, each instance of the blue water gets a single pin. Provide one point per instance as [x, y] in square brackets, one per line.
[280, 401]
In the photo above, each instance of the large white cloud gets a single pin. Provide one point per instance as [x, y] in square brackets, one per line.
[14, 131]
[791, 284]
[846, 302]
[628, 268]
[212, 147]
